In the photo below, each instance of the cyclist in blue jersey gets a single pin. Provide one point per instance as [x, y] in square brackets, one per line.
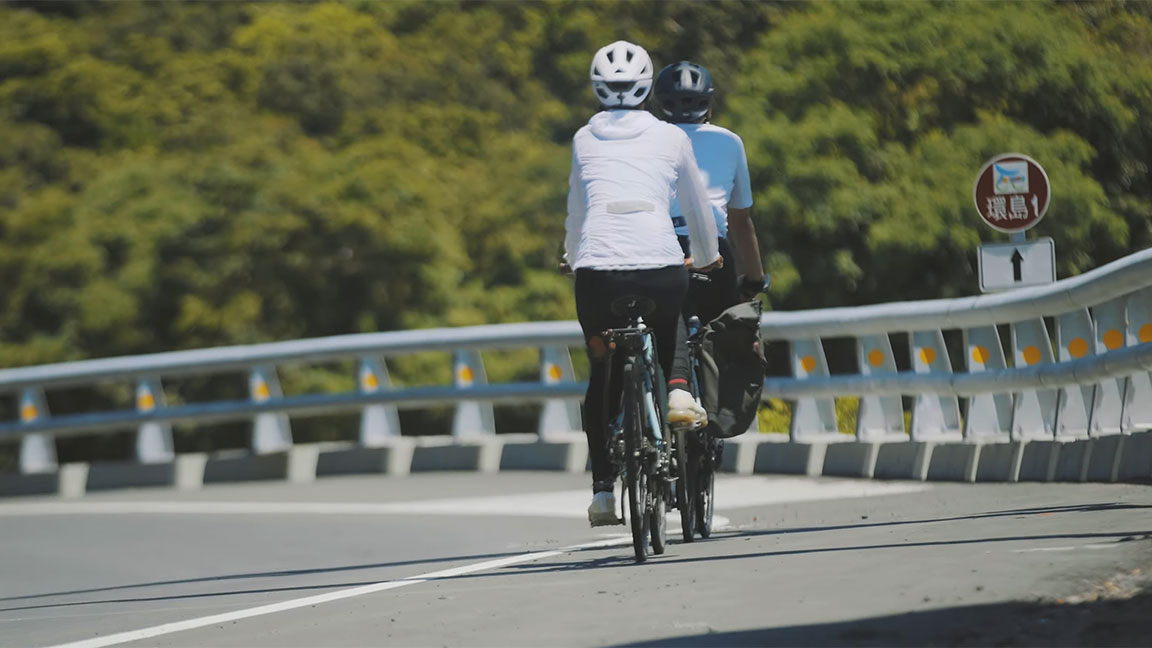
[684, 93]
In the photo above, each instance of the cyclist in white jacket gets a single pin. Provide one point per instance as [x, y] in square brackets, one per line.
[626, 164]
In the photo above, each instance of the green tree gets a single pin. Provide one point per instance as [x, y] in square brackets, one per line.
[866, 124]
[178, 175]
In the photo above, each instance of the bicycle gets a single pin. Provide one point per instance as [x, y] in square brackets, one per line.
[637, 446]
[698, 454]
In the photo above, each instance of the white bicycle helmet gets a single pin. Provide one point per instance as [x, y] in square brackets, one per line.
[621, 75]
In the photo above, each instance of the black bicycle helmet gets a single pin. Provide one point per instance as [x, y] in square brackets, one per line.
[684, 92]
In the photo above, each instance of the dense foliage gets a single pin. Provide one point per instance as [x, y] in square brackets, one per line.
[178, 175]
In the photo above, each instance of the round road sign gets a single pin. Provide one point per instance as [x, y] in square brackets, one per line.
[1011, 193]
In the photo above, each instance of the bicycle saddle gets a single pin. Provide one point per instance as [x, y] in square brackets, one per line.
[632, 304]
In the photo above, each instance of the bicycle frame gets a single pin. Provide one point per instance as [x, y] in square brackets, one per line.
[695, 335]
[697, 452]
[636, 341]
[636, 445]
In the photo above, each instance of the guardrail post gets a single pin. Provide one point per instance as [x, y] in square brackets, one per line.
[879, 417]
[153, 439]
[1138, 389]
[270, 430]
[378, 423]
[38, 450]
[558, 415]
[1035, 413]
[1108, 402]
[933, 417]
[989, 415]
[472, 418]
[811, 417]
[1074, 337]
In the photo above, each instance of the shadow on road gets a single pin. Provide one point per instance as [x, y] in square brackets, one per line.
[624, 560]
[1041, 511]
[616, 560]
[1098, 623]
[264, 574]
[611, 560]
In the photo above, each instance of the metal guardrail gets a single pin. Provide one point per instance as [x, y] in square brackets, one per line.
[309, 404]
[1083, 383]
[1065, 374]
[203, 361]
[1104, 284]
[1093, 381]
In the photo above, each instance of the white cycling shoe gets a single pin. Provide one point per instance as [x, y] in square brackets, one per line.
[602, 510]
[685, 411]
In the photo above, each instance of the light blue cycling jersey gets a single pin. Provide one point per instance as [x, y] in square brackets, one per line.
[724, 168]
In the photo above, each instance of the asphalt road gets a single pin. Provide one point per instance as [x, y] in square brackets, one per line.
[507, 559]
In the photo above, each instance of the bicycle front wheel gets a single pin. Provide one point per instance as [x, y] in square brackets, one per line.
[637, 479]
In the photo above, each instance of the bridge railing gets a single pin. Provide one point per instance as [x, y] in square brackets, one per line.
[376, 398]
[1090, 378]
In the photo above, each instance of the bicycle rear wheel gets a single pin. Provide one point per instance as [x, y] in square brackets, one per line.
[637, 479]
[658, 516]
[656, 464]
[637, 513]
[706, 499]
[685, 486]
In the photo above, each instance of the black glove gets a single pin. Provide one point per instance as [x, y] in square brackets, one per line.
[750, 288]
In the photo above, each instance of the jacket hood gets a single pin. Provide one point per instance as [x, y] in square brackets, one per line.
[621, 124]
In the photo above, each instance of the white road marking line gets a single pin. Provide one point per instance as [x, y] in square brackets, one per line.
[731, 492]
[1113, 545]
[191, 624]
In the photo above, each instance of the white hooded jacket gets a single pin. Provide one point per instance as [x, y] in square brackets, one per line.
[626, 167]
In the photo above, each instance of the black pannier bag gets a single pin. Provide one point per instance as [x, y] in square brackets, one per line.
[732, 366]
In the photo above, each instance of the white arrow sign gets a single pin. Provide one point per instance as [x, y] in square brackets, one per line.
[1004, 266]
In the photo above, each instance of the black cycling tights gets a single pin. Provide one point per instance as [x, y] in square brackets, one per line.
[708, 299]
[595, 291]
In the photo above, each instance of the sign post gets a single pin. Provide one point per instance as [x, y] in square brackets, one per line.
[1012, 195]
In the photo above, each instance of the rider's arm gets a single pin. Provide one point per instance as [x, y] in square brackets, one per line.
[744, 244]
[577, 210]
[697, 210]
[740, 229]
